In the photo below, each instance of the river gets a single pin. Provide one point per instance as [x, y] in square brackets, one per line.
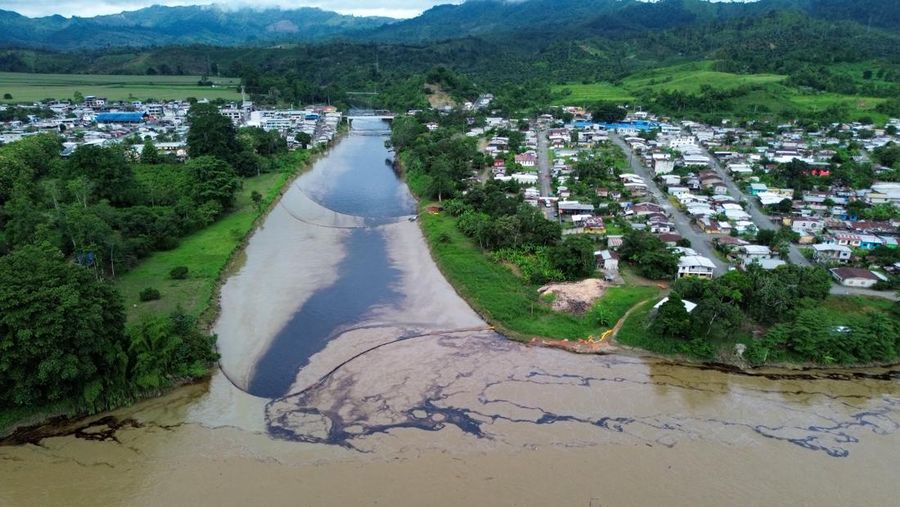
[352, 373]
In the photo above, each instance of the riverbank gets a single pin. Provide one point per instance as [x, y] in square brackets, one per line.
[515, 309]
[209, 254]
[508, 302]
[849, 310]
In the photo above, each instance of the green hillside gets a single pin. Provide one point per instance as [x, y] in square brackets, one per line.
[755, 94]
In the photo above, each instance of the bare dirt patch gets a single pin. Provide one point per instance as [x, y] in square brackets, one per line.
[438, 98]
[574, 297]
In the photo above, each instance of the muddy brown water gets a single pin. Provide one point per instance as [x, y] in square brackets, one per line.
[409, 399]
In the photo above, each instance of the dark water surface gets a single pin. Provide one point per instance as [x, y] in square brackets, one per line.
[355, 180]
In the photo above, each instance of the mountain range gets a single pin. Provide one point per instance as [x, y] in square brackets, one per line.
[162, 26]
[215, 26]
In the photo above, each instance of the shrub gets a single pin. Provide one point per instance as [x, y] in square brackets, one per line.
[149, 294]
[179, 273]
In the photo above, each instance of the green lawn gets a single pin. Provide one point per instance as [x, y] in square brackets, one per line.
[33, 87]
[505, 300]
[205, 253]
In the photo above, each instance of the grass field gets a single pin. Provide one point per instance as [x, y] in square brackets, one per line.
[689, 78]
[33, 87]
[205, 254]
[505, 300]
[773, 97]
[587, 93]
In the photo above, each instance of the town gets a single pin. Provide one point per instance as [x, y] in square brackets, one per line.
[92, 120]
[720, 197]
[723, 197]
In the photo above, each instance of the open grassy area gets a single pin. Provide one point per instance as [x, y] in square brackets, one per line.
[690, 77]
[578, 94]
[848, 310]
[773, 96]
[205, 253]
[33, 87]
[506, 300]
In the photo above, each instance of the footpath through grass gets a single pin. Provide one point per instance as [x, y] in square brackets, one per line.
[205, 253]
[508, 302]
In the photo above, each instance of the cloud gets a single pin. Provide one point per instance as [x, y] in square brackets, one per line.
[87, 8]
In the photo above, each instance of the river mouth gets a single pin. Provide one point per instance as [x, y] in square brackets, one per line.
[373, 382]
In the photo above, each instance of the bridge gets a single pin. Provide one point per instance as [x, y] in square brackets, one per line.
[369, 114]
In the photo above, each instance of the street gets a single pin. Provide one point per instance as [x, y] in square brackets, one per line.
[760, 219]
[699, 241]
[544, 164]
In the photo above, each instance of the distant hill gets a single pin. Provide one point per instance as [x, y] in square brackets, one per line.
[538, 21]
[161, 26]
[592, 18]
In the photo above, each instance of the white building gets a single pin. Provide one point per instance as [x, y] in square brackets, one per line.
[695, 265]
[825, 253]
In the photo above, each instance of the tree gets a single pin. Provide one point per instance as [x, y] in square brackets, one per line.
[246, 164]
[78, 97]
[211, 133]
[672, 319]
[7, 96]
[109, 172]
[149, 154]
[215, 181]
[304, 139]
[607, 112]
[649, 255]
[256, 197]
[61, 330]
[574, 257]
[441, 180]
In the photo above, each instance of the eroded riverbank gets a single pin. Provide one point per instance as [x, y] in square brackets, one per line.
[414, 400]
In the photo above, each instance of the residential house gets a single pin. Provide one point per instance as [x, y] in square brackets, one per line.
[753, 253]
[824, 253]
[855, 277]
[671, 239]
[594, 225]
[607, 260]
[695, 265]
[758, 188]
[526, 159]
[661, 167]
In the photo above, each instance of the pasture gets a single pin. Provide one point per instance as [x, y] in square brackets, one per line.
[27, 88]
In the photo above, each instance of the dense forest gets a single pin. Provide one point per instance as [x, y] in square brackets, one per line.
[820, 45]
[69, 226]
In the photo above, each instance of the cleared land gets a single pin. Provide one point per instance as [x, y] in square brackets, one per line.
[773, 96]
[33, 87]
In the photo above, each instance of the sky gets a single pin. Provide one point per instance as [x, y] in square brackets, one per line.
[88, 8]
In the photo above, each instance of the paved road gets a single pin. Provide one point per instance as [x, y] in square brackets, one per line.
[699, 241]
[544, 162]
[544, 178]
[760, 219]
[839, 290]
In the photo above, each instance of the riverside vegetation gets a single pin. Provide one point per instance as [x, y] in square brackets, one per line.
[496, 250]
[78, 234]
